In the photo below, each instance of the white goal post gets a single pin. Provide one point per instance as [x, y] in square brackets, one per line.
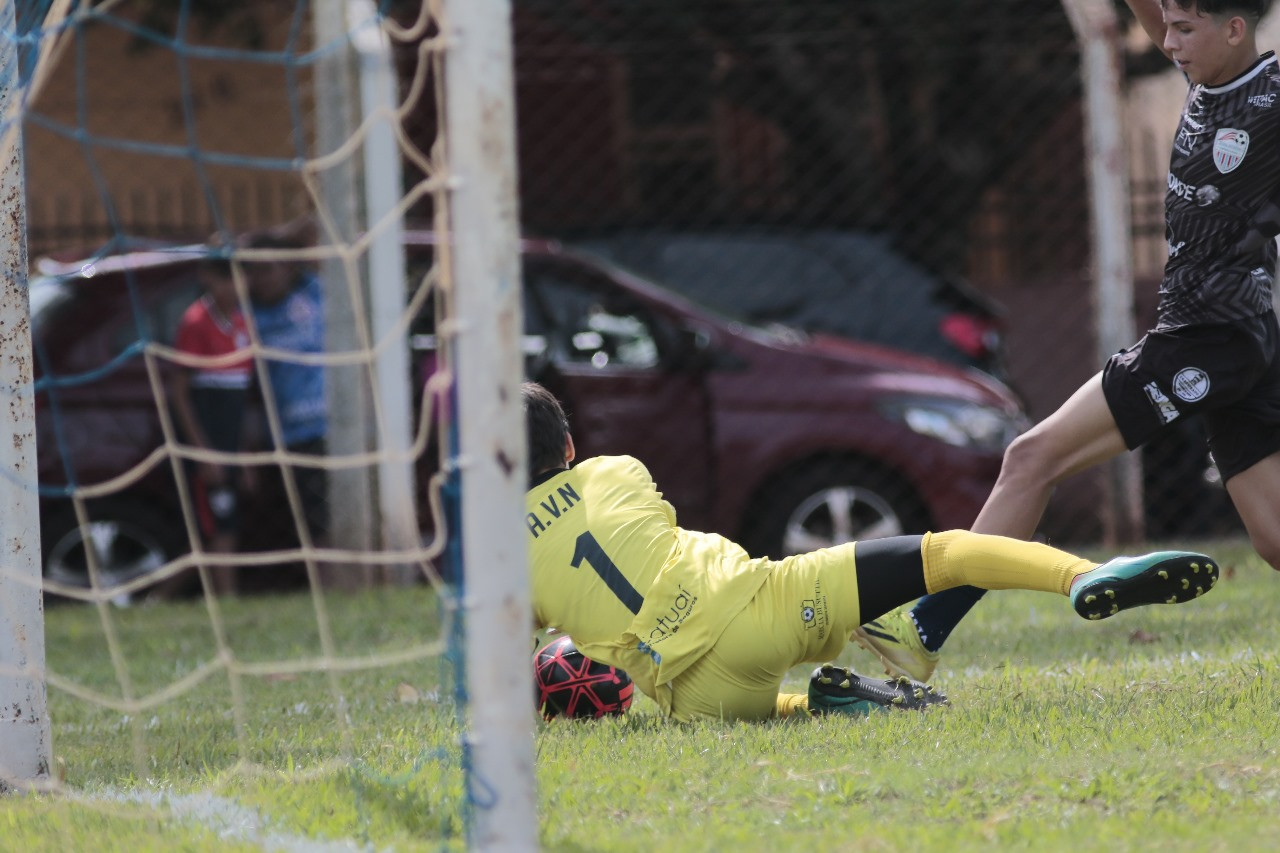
[1097, 30]
[483, 265]
[25, 748]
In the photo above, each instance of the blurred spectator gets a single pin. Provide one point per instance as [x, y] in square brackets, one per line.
[288, 311]
[209, 402]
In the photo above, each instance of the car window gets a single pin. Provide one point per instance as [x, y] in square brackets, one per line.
[850, 284]
[760, 280]
[159, 319]
[772, 279]
[165, 314]
[584, 321]
[47, 297]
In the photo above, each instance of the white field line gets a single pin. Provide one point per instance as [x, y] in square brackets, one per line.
[229, 820]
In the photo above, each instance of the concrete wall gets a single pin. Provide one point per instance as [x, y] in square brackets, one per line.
[114, 89]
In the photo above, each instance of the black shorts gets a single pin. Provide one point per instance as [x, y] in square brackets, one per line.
[220, 412]
[217, 508]
[1229, 373]
[313, 487]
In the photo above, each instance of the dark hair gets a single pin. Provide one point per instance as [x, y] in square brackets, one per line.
[267, 240]
[548, 429]
[1252, 10]
[218, 265]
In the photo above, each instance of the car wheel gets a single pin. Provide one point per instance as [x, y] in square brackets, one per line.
[129, 539]
[829, 505]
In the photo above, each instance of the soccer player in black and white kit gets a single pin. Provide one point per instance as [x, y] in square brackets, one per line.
[1215, 349]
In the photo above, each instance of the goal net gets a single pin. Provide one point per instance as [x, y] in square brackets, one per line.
[273, 433]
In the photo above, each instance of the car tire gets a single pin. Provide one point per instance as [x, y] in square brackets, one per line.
[132, 539]
[831, 503]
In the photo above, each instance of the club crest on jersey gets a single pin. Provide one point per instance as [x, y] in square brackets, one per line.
[1229, 147]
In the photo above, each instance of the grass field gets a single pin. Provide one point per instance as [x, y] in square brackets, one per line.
[1157, 729]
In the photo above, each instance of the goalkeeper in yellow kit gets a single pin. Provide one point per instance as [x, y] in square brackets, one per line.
[706, 631]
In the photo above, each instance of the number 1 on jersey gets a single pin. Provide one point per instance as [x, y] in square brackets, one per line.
[587, 548]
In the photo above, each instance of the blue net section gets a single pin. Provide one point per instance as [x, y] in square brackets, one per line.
[227, 138]
[239, 408]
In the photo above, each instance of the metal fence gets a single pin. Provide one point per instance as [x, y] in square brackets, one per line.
[907, 174]
[764, 156]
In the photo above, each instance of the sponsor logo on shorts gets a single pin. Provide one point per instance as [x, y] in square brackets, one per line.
[668, 624]
[1163, 405]
[807, 613]
[819, 617]
[1191, 384]
[1229, 147]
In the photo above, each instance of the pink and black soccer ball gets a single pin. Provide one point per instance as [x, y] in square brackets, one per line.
[570, 684]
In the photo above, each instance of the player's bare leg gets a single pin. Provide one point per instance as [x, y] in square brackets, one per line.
[1079, 435]
[1256, 494]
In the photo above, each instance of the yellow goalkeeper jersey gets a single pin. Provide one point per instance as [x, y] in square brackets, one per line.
[611, 569]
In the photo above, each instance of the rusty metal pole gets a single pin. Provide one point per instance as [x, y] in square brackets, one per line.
[25, 748]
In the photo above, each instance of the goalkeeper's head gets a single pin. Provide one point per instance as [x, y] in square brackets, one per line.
[550, 444]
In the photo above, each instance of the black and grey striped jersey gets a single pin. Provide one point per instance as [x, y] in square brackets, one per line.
[1225, 165]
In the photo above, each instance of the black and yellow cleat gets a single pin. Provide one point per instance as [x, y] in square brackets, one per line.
[1164, 577]
[895, 639]
[839, 690]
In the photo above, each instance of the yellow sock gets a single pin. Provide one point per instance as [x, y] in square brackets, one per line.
[792, 703]
[960, 558]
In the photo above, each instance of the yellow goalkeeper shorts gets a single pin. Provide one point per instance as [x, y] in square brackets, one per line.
[805, 611]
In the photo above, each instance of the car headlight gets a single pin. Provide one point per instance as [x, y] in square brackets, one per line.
[960, 423]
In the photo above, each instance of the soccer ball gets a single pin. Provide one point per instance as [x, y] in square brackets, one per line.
[569, 683]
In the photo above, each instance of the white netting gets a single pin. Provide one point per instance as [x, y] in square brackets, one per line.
[169, 141]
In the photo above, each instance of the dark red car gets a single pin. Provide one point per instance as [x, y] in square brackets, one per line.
[783, 440]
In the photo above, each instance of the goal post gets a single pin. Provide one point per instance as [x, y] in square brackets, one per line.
[356, 97]
[386, 267]
[347, 148]
[482, 264]
[25, 748]
[1097, 30]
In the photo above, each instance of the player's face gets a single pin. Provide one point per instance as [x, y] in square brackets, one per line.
[269, 281]
[1206, 48]
[221, 289]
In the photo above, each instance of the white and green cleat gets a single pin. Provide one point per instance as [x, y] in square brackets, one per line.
[1164, 577]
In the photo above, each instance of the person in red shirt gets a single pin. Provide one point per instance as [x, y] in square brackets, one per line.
[209, 401]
